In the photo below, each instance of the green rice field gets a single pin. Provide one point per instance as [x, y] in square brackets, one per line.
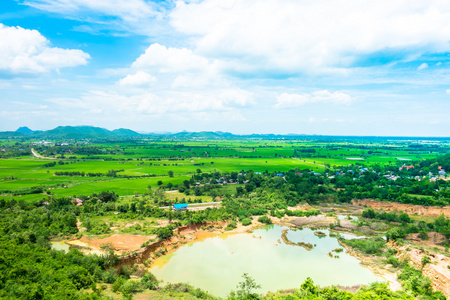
[141, 164]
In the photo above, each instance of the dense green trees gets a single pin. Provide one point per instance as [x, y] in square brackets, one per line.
[29, 269]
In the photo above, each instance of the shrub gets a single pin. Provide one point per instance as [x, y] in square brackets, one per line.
[368, 246]
[393, 261]
[130, 287]
[246, 221]
[164, 233]
[265, 220]
[231, 225]
[150, 282]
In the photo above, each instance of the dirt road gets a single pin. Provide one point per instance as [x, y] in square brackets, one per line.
[37, 155]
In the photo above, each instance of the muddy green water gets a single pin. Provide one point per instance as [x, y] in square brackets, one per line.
[216, 264]
[61, 246]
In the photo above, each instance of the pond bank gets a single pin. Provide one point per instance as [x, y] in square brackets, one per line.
[183, 235]
[366, 261]
[369, 262]
[272, 263]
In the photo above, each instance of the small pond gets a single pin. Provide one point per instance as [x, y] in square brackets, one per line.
[346, 217]
[216, 264]
[61, 246]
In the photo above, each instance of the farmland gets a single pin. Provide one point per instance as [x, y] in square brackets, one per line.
[139, 164]
[143, 163]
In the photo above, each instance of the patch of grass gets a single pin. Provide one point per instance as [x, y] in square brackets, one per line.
[374, 246]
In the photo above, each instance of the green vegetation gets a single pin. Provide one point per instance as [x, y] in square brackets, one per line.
[417, 284]
[123, 178]
[130, 166]
[440, 225]
[245, 288]
[246, 221]
[265, 219]
[310, 291]
[373, 246]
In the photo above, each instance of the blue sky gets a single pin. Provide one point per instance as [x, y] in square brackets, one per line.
[353, 67]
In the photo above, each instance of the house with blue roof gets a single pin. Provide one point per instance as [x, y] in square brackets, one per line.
[180, 206]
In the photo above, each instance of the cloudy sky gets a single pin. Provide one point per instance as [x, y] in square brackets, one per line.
[331, 67]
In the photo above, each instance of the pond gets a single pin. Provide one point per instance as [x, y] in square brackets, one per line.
[217, 263]
[61, 246]
[348, 217]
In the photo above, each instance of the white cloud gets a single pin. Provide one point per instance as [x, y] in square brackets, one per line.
[139, 79]
[27, 51]
[167, 60]
[128, 10]
[120, 17]
[447, 91]
[226, 100]
[236, 97]
[286, 100]
[186, 83]
[422, 66]
[312, 36]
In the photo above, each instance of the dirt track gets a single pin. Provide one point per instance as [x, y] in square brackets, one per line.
[37, 155]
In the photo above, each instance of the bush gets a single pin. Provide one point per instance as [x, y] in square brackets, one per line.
[150, 282]
[246, 221]
[231, 225]
[393, 261]
[164, 233]
[265, 220]
[130, 287]
[415, 282]
[117, 284]
[368, 246]
[395, 234]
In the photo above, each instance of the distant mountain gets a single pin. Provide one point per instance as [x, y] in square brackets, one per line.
[24, 129]
[202, 135]
[91, 132]
[123, 132]
[71, 132]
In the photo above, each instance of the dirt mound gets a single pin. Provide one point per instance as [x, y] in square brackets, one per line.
[317, 220]
[429, 211]
[120, 242]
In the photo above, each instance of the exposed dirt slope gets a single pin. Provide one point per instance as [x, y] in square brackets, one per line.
[437, 270]
[429, 211]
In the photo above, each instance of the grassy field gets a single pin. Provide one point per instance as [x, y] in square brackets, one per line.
[146, 162]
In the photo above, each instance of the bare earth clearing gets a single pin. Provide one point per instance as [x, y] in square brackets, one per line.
[120, 242]
[428, 211]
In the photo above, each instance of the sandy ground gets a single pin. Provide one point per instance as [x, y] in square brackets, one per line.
[120, 242]
[429, 211]
[303, 221]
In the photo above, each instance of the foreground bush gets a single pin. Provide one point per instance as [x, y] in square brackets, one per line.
[265, 220]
